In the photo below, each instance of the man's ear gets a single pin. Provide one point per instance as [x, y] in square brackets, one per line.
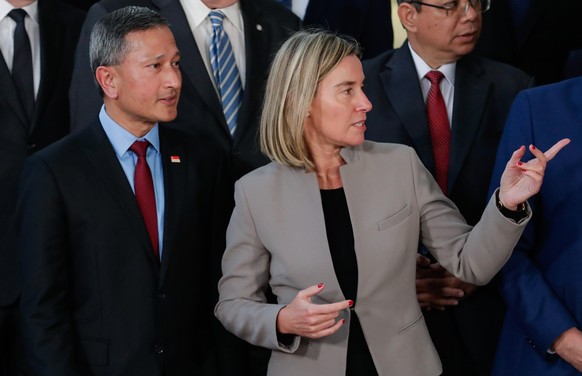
[107, 78]
[408, 16]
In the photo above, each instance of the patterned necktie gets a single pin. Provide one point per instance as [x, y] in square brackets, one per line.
[22, 73]
[225, 70]
[145, 194]
[439, 127]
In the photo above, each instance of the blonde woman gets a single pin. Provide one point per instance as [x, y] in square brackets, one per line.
[333, 223]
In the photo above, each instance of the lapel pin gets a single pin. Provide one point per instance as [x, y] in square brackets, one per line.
[175, 159]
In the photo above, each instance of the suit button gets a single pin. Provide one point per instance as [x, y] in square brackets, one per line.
[161, 296]
[159, 349]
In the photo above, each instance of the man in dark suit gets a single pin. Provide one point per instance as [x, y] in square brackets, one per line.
[463, 321]
[368, 21]
[263, 26]
[541, 282]
[83, 4]
[536, 39]
[117, 283]
[53, 29]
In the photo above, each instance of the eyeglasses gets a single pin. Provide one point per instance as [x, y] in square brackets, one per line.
[480, 6]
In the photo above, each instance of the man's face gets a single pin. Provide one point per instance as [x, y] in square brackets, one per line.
[441, 38]
[20, 3]
[148, 81]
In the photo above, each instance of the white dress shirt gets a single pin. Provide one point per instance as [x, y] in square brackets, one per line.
[447, 85]
[7, 26]
[197, 14]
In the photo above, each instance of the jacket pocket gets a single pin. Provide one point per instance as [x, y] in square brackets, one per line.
[418, 320]
[395, 218]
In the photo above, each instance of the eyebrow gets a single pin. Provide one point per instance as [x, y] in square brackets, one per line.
[162, 56]
[346, 83]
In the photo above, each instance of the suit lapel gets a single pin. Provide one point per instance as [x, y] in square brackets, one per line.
[401, 85]
[98, 150]
[191, 63]
[471, 91]
[51, 45]
[256, 39]
[174, 191]
[9, 93]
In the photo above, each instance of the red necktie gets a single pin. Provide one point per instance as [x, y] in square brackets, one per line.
[440, 129]
[144, 193]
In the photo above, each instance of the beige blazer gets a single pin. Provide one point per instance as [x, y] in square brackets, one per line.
[277, 237]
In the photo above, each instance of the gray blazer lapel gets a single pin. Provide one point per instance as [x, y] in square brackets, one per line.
[308, 211]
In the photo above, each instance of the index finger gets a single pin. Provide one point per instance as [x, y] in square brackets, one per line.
[551, 152]
[332, 307]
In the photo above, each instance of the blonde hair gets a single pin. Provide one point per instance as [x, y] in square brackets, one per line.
[305, 59]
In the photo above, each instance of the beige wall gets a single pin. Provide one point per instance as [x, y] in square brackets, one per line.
[399, 32]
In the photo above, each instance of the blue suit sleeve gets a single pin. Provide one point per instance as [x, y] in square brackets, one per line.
[529, 297]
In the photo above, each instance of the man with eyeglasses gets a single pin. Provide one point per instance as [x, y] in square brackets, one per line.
[454, 127]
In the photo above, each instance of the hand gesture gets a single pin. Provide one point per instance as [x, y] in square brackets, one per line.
[304, 318]
[522, 180]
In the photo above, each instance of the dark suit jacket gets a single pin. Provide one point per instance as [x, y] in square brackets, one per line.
[540, 48]
[541, 282]
[94, 300]
[83, 4]
[369, 21]
[267, 24]
[60, 26]
[484, 91]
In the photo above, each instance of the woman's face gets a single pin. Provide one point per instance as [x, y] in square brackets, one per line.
[337, 114]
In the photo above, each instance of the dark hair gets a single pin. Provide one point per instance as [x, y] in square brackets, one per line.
[107, 45]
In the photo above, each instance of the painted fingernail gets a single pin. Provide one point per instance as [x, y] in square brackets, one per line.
[350, 303]
[533, 147]
[519, 163]
[343, 321]
[320, 285]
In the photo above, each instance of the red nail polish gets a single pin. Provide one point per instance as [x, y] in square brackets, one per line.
[350, 303]
[533, 147]
[320, 285]
[519, 163]
[343, 321]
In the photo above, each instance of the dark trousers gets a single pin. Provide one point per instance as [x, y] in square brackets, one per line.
[448, 342]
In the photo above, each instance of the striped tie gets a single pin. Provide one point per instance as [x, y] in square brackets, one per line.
[225, 70]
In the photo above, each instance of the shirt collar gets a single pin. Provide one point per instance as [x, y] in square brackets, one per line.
[121, 139]
[32, 9]
[422, 68]
[199, 12]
